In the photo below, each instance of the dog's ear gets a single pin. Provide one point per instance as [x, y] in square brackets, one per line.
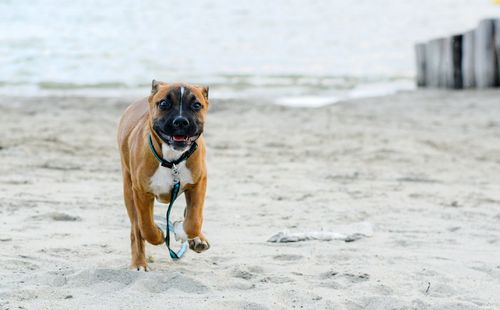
[154, 86]
[204, 91]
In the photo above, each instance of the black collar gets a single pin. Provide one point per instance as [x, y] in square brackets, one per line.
[170, 164]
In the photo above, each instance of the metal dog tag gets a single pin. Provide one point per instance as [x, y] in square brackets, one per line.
[175, 173]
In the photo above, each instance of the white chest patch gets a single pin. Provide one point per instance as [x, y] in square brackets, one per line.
[162, 180]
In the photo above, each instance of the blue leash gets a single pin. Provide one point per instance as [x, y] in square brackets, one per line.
[174, 255]
[173, 195]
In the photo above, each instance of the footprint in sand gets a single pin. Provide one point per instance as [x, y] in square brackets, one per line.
[233, 304]
[159, 282]
[328, 274]
[338, 280]
[243, 274]
[247, 273]
[288, 257]
[94, 277]
[252, 272]
[276, 280]
[156, 282]
[18, 265]
[58, 217]
[356, 278]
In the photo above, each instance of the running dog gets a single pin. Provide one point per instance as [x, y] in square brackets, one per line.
[156, 135]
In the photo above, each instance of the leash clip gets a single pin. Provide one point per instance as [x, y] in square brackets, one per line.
[175, 173]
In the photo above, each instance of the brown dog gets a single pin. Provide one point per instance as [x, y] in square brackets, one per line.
[173, 115]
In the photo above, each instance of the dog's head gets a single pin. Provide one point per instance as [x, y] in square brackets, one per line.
[177, 112]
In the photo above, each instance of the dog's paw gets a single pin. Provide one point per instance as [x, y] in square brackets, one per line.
[199, 244]
[139, 267]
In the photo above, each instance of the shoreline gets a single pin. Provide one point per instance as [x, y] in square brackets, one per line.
[419, 166]
[307, 95]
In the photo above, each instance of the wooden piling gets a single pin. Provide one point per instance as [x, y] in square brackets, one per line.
[421, 64]
[468, 66]
[433, 58]
[485, 55]
[467, 60]
[497, 48]
[446, 72]
[450, 69]
[455, 76]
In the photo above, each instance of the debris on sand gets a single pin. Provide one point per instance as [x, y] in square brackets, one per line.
[347, 233]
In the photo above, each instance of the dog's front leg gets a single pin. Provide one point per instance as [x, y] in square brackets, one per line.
[144, 203]
[193, 221]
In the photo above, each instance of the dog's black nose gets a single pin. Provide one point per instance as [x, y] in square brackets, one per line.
[180, 122]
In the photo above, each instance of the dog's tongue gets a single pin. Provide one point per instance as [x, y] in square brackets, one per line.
[179, 138]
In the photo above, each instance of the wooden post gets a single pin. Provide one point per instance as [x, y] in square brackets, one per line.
[467, 60]
[484, 52]
[497, 48]
[456, 76]
[443, 47]
[468, 67]
[421, 64]
[433, 60]
[451, 62]
[446, 71]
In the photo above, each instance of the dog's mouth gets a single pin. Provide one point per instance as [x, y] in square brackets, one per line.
[182, 139]
[178, 141]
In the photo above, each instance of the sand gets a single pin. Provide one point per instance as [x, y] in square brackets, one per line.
[421, 167]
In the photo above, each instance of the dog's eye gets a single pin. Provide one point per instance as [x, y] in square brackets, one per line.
[164, 104]
[196, 106]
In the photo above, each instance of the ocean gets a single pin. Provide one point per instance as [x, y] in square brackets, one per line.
[301, 53]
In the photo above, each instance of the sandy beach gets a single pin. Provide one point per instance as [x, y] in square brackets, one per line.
[421, 167]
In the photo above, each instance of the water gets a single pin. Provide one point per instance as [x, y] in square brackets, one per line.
[295, 52]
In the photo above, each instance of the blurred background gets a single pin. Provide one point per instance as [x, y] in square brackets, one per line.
[291, 52]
